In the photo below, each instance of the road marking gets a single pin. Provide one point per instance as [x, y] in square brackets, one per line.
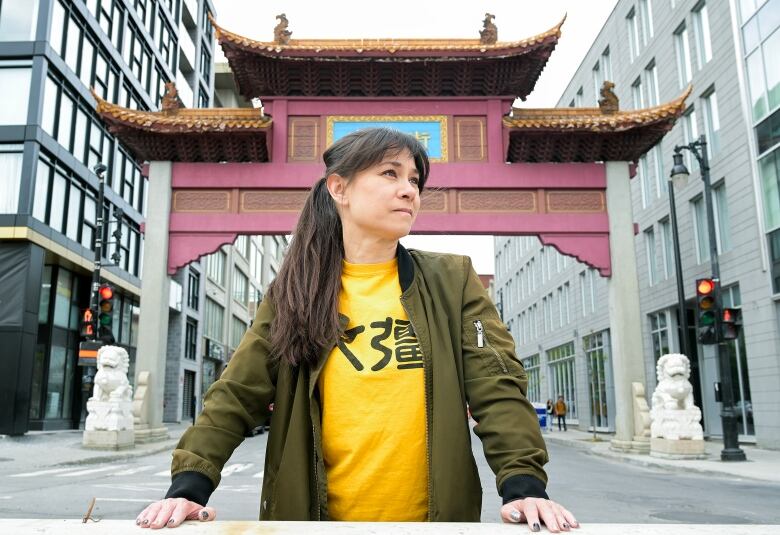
[165, 473]
[131, 471]
[134, 488]
[43, 472]
[91, 471]
[259, 474]
[6, 497]
[235, 468]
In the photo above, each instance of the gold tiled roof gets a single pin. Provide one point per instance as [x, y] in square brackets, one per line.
[593, 119]
[186, 119]
[389, 45]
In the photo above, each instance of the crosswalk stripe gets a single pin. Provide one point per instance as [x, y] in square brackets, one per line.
[131, 471]
[235, 468]
[259, 474]
[90, 471]
[42, 472]
[165, 473]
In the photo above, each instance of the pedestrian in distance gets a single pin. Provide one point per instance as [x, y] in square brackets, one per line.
[355, 332]
[550, 412]
[560, 412]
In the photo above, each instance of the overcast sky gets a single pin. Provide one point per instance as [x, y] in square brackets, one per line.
[516, 19]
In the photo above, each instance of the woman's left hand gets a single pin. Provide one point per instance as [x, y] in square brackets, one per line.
[533, 511]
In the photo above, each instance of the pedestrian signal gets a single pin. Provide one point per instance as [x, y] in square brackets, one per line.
[88, 323]
[731, 323]
[706, 310]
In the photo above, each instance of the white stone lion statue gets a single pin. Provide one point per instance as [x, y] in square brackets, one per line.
[673, 415]
[110, 407]
[111, 381]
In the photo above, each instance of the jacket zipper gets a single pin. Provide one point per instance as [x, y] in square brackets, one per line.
[316, 470]
[481, 343]
[426, 370]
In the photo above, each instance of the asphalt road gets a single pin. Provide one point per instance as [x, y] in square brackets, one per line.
[595, 489]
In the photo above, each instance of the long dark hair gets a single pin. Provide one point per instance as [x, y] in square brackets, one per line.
[305, 293]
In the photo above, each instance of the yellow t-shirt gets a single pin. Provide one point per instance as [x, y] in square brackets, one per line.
[372, 390]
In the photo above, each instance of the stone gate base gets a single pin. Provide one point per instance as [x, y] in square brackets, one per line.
[677, 449]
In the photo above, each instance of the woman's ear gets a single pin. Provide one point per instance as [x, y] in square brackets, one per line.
[336, 185]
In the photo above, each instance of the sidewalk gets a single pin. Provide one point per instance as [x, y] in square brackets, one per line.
[761, 464]
[41, 449]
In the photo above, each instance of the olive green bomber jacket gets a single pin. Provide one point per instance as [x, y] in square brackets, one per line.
[468, 357]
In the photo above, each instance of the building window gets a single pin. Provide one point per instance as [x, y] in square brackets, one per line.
[578, 98]
[690, 134]
[651, 79]
[242, 246]
[712, 123]
[701, 31]
[769, 169]
[700, 229]
[659, 332]
[683, 52]
[10, 177]
[240, 287]
[214, 316]
[193, 290]
[596, 353]
[636, 94]
[667, 245]
[598, 81]
[721, 212]
[18, 19]
[15, 81]
[646, 19]
[661, 182]
[563, 377]
[645, 182]
[215, 267]
[774, 257]
[191, 340]
[768, 133]
[532, 369]
[205, 63]
[237, 330]
[633, 34]
[652, 269]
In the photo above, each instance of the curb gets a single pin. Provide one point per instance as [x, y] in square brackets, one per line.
[650, 461]
[121, 455]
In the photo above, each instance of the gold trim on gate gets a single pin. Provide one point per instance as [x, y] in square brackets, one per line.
[441, 119]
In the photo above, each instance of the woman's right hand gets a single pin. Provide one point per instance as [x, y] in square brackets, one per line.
[173, 511]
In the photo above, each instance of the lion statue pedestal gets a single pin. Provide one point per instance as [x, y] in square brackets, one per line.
[109, 424]
[675, 431]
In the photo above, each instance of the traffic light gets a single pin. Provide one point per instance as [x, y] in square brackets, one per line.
[88, 323]
[731, 323]
[106, 308]
[706, 309]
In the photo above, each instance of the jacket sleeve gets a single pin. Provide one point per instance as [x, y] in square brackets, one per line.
[235, 404]
[496, 386]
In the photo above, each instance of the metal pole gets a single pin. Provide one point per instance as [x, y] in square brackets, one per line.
[679, 276]
[731, 450]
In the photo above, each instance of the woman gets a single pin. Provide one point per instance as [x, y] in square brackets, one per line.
[550, 413]
[356, 332]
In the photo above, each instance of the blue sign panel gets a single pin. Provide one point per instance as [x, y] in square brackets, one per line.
[431, 133]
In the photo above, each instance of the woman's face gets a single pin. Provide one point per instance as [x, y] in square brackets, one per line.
[381, 201]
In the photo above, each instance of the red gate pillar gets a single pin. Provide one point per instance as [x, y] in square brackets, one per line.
[153, 320]
[625, 323]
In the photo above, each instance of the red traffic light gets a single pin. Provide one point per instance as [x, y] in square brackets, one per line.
[705, 286]
[728, 315]
[87, 317]
[106, 292]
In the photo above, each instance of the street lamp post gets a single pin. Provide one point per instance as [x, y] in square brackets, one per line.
[677, 260]
[731, 450]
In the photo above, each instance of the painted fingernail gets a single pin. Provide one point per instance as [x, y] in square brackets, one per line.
[536, 527]
[515, 516]
[565, 525]
[204, 515]
[170, 521]
[145, 522]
